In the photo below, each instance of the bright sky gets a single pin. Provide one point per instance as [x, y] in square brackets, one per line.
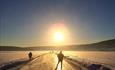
[35, 22]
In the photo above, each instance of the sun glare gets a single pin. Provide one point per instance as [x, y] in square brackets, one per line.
[59, 36]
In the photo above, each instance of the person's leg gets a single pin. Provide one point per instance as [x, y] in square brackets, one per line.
[61, 64]
[30, 57]
[57, 65]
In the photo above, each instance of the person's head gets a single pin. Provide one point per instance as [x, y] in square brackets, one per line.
[60, 51]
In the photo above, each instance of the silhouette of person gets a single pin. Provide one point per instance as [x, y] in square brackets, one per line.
[30, 55]
[60, 59]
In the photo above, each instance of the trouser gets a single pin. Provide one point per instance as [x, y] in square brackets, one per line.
[59, 61]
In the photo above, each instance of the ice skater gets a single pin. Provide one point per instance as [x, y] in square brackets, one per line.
[30, 55]
[60, 59]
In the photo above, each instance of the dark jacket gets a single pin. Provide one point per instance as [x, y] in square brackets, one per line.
[60, 56]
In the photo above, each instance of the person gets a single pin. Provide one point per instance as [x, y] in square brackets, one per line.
[60, 59]
[30, 55]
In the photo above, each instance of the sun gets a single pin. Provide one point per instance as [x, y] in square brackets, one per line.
[59, 36]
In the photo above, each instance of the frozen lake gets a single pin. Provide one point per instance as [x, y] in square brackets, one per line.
[96, 56]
